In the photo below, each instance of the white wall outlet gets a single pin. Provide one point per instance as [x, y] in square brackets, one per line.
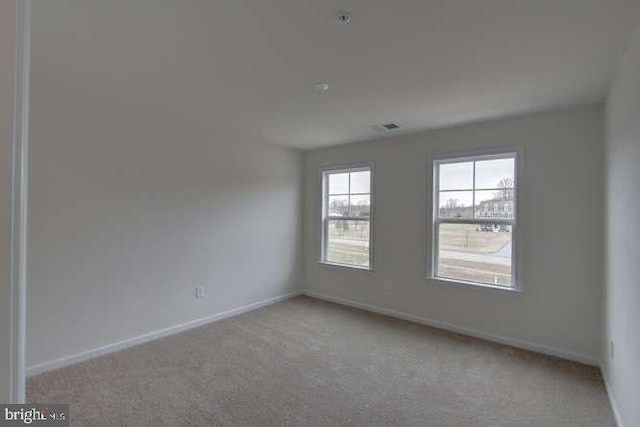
[611, 349]
[388, 284]
[199, 292]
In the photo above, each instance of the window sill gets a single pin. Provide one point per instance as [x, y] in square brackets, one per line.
[445, 281]
[346, 266]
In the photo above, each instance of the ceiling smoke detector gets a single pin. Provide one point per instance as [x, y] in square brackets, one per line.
[344, 17]
[387, 126]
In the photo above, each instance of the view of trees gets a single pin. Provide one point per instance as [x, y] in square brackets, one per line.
[452, 203]
[340, 207]
[453, 206]
[506, 189]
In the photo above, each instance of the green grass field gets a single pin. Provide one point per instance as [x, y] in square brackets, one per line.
[468, 238]
[469, 253]
[349, 243]
[467, 250]
[482, 272]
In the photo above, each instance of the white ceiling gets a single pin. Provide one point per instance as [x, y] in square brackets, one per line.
[246, 67]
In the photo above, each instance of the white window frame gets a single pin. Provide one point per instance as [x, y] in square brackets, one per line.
[324, 217]
[517, 154]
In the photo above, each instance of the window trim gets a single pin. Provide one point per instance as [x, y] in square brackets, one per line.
[432, 238]
[321, 209]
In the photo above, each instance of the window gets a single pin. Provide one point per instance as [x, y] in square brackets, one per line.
[474, 219]
[346, 217]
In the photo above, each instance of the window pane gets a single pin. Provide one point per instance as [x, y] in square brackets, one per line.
[456, 176]
[360, 206]
[494, 204]
[455, 204]
[475, 253]
[497, 173]
[338, 206]
[361, 182]
[339, 183]
[348, 242]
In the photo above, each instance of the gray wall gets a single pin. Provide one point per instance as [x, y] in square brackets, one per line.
[129, 211]
[561, 224]
[622, 281]
[7, 67]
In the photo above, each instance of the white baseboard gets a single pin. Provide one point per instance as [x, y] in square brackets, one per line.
[130, 342]
[612, 400]
[526, 345]
[120, 345]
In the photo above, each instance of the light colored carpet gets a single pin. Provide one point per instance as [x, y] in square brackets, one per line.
[305, 362]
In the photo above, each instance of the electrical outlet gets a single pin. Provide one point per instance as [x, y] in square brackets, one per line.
[611, 349]
[199, 292]
[388, 284]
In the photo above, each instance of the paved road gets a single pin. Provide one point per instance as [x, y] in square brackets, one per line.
[482, 258]
[505, 252]
[502, 257]
[352, 242]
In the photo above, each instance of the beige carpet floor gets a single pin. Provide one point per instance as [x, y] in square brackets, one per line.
[305, 362]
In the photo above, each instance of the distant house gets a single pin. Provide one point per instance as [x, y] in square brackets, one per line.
[495, 209]
[487, 209]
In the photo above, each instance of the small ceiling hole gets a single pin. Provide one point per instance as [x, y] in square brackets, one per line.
[344, 17]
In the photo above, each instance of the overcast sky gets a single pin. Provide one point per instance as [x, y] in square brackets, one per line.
[459, 176]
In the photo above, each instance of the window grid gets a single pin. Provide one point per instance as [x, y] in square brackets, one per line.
[327, 217]
[474, 219]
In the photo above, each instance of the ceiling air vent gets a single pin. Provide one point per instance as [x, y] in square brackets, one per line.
[388, 126]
